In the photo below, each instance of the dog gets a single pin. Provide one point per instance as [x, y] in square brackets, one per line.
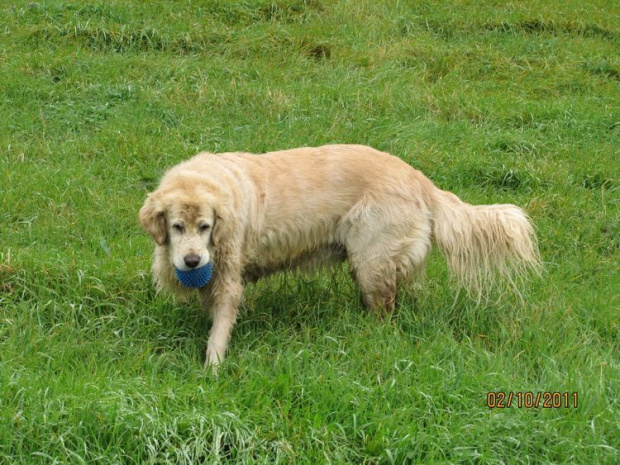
[253, 215]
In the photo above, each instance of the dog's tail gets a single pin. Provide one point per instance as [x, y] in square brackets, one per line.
[481, 242]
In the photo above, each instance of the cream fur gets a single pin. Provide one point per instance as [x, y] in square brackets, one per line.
[305, 207]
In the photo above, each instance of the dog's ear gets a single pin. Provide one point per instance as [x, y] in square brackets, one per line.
[222, 225]
[216, 233]
[153, 220]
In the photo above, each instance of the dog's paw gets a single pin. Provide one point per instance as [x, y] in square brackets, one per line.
[212, 362]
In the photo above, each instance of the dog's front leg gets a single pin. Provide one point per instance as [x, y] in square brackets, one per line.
[223, 308]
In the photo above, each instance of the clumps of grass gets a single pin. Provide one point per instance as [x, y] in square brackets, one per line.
[434, 66]
[447, 28]
[443, 29]
[117, 30]
[8, 276]
[197, 438]
[123, 38]
[71, 429]
[597, 181]
[239, 13]
[603, 68]
[551, 27]
[37, 12]
[246, 12]
[502, 178]
[497, 176]
[519, 147]
[132, 39]
[320, 51]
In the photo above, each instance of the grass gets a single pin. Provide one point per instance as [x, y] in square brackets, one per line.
[497, 102]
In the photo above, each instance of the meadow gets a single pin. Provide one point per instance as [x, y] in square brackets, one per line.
[499, 102]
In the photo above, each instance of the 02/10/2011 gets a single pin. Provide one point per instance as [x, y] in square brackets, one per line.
[528, 399]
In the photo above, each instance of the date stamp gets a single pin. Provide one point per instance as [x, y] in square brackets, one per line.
[528, 399]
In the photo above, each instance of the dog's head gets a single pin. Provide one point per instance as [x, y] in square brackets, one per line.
[188, 224]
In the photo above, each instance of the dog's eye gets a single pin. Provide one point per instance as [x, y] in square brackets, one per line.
[178, 226]
[204, 227]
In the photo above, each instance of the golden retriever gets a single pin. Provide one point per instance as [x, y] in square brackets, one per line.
[251, 215]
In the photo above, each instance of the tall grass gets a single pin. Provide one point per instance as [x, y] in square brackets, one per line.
[497, 102]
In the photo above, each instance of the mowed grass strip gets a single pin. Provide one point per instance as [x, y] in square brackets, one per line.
[498, 103]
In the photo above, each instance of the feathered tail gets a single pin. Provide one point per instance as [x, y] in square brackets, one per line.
[481, 242]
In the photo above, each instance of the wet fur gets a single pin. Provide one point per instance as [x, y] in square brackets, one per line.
[309, 207]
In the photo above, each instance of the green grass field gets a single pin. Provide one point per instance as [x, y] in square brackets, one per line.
[499, 102]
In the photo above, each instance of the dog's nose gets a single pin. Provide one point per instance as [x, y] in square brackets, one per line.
[191, 260]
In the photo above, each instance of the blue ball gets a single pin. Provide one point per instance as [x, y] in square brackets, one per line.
[197, 277]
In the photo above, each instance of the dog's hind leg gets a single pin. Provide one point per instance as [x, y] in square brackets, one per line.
[384, 247]
[377, 282]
